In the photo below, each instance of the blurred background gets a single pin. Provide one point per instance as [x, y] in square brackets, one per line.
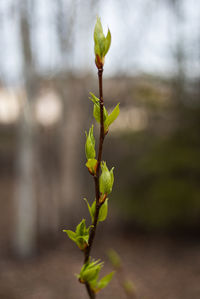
[46, 73]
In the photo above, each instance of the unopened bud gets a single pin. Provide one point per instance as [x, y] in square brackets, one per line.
[106, 179]
[90, 144]
[92, 166]
[101, 43]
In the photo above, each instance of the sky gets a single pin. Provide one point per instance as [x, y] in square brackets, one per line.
[144, 35]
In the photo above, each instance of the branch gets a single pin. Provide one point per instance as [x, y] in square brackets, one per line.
[96, 179]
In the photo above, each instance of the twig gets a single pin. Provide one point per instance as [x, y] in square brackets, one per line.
[96, 178]
[83, 236]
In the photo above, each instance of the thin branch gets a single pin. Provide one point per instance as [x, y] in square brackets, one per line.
[90, 292]
[96, 179]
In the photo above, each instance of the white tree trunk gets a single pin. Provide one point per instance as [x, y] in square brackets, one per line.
[25, 201]
[25, 224]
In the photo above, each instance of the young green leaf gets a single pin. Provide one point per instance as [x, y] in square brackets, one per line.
[103, 211]
[96, 109]
[93, 209]
[71, 234]
[111, 117]
[107, 42]
[81, 228]
[99, 39]
[111, 177]
[90, 209]
[105, 280]
[80, 236]
[90, 144]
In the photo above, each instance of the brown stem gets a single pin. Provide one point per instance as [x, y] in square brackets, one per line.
[96, 180]
[96, 177]
[90, 292]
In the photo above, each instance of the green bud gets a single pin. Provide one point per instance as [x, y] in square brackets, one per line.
[90, 271]
[103, 211]
[90, 144]
[106, 179]
[80, 236]
[91, 274]
[101, 43]
[92, 166]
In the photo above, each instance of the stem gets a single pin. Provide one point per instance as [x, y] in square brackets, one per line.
[90, 292]
[96, 179]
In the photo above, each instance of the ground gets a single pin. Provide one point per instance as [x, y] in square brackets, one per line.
[160, 267]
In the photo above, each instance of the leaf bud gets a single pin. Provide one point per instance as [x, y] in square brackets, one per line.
[90, 144]
[92, 166]
[106, 179]
[101, 43]
[90, 271]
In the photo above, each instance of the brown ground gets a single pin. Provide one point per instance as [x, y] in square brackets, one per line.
[160, 269]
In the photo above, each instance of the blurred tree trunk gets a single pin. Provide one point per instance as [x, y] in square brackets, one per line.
[178, 51]
[75, 114]
[72, 133]
[48, 181]
[65, 22]
[25, 200]
[71, 121]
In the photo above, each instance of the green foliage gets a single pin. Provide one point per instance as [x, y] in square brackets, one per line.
[106, 179]
[107, 118]
[90, 144]
[90, 274]
[101, 43]
[103, 210]
[80, 236]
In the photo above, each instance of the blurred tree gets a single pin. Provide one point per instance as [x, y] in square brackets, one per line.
[65, 19]
[178, 49]
[72, 92]
[25, 201]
